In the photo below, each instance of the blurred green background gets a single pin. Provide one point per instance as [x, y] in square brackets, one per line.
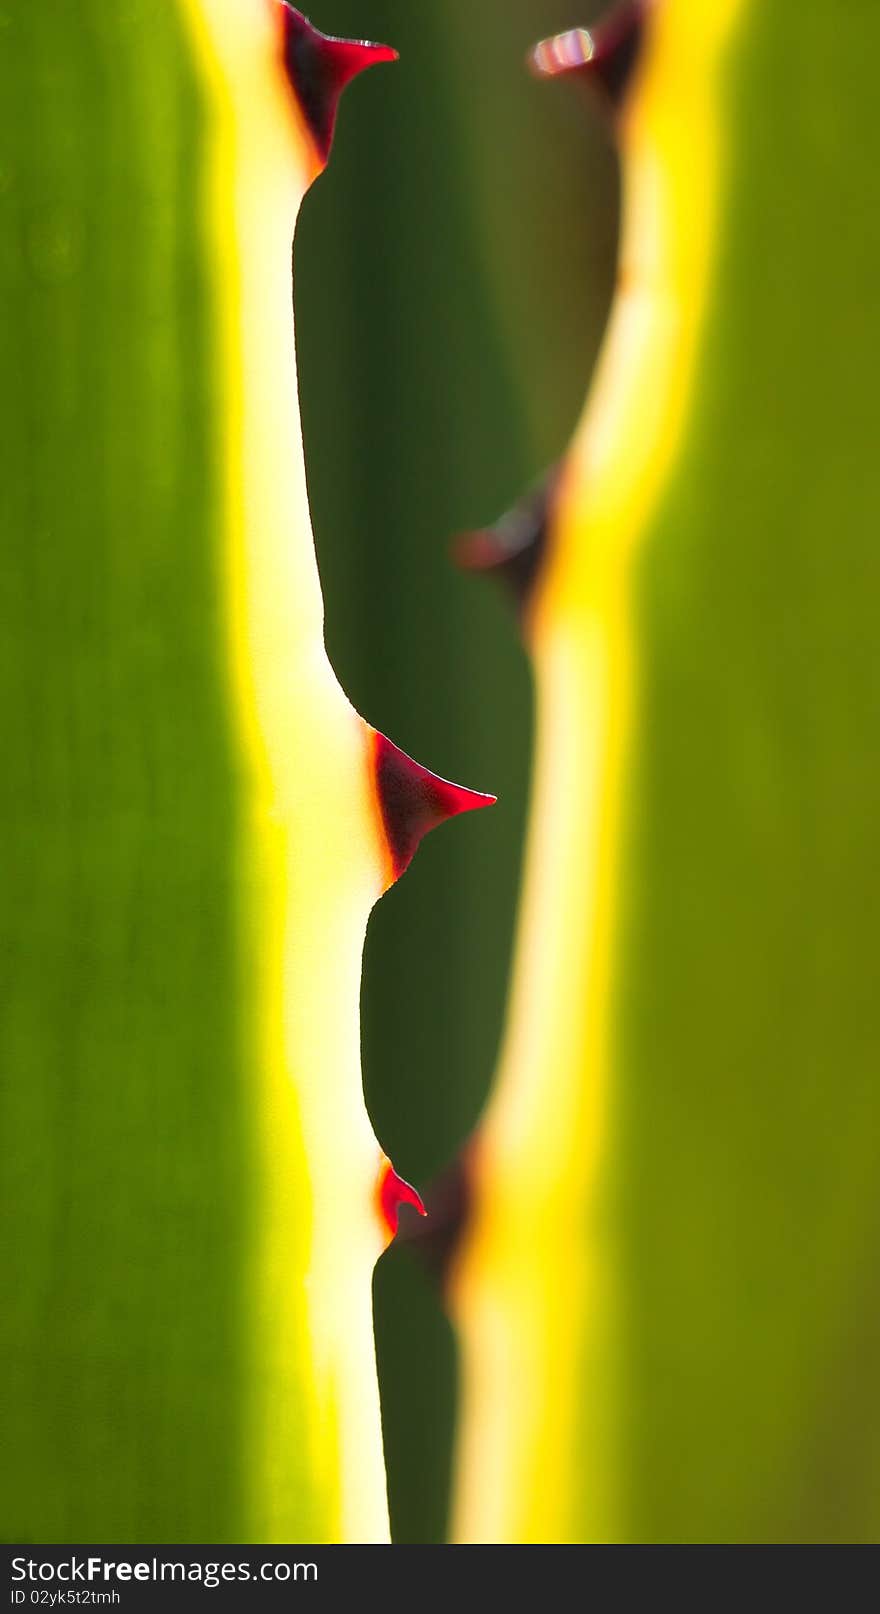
[453, 272]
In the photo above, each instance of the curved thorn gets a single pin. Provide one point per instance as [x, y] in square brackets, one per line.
[393, 1192]
[605, 55]
[414, 801]
[318, 67]
[449, 1199]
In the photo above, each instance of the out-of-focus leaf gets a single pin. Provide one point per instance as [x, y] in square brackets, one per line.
[669, 1304]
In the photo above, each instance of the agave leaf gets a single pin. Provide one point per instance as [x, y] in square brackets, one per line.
[668, 1297]
[195, 829]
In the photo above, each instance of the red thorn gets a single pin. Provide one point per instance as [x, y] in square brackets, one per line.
[486, 552]
[478, 551]
[513, 550]
[413, 800]
[605, 54]
[450, 1200]
[392, 1193]
[319, 66]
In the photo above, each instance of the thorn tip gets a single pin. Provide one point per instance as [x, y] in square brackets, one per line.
[605, 54]
[318, 67]
[394, 1191]
[414, 801]
[513, 549]
[449, 1199]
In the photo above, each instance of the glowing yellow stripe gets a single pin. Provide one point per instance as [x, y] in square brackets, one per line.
[535, 1456]
[313, 866]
